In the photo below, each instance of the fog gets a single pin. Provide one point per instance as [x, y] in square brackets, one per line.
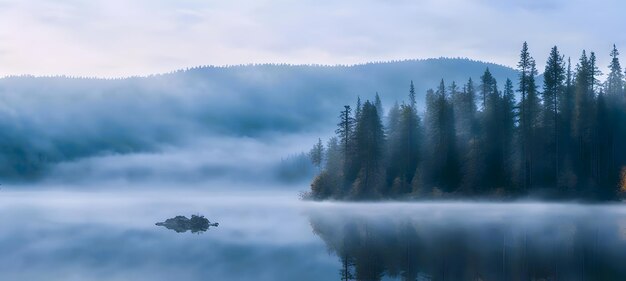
[55, 235]
[198, 125]
[271, 235]
[224, 160]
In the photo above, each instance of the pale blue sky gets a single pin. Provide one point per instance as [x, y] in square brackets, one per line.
[114, 38]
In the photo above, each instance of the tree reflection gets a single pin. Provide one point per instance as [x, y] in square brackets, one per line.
[413, 248]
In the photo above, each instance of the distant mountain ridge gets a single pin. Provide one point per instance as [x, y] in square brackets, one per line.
[60, 118]
[311, 90]
[186, 69]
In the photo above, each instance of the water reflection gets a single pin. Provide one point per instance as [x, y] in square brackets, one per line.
[474, 241]
[76, 236]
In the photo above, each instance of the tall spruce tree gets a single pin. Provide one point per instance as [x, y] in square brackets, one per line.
[507, 134]
[614, 133]
[344, 130]
[553, 88]
[486, 87]
[358, 108]
[615, 80]
[379, 106]
[345, 133]
[582, 130]
[594, 73]
[412, 98]
[529, 109]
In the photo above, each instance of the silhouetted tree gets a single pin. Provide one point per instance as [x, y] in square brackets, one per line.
[553, 88]
[486, 87]
[529, 114]
[615, 80]
[507, 118]
[583, 120]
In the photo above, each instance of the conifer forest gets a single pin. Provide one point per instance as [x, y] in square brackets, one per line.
[562, 139]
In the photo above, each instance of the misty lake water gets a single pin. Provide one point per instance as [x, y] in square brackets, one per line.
[63, 235]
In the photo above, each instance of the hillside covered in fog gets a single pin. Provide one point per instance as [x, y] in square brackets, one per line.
[60, 123]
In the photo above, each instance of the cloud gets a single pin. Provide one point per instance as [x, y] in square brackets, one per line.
[120, 38]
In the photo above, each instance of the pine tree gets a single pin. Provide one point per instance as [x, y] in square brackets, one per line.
[615, 80]
[379, 106]
[404, 147]
[334, 168]
[614, 133]
[345, 133]
[566, 110]
[369, 148]
[594, 73]
[444, 170]
[508, 116]
[344, 130]
[486, 86]
[394, 141]
[582, 130]
[604, 152]
[553, 88]
[529, 106]
[491, 146]
[357, 111]
[412, 100]
[317, 154]
[464, 104]
[393, 119]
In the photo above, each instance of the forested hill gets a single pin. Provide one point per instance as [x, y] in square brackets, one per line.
[244, 100]
[49, 120]
[478, 139]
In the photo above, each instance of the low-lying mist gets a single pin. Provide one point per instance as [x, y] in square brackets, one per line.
[234, 161]
[273, 236]
[243, 122]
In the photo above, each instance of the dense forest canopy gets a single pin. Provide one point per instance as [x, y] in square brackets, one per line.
[559, 139]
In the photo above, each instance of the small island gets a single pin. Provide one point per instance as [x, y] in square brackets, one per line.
[180, 224]
[478, 140]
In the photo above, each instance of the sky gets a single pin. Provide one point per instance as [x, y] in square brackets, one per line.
[118, 38]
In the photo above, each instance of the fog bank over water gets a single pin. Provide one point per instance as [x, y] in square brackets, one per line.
[60, 235]
[271, 235]
[233, 161]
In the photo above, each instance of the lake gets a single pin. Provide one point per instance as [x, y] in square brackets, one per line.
[97, 235]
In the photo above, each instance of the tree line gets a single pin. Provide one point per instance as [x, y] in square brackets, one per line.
[562, 139]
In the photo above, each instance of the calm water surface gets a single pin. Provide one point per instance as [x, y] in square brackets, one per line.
[60, 235]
